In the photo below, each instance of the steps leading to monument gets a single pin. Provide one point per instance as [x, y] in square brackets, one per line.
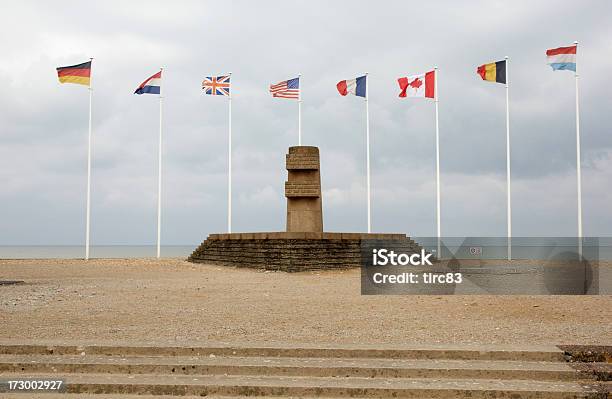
[304, 371]
[543, 353]
[322, 387]
[312, 367]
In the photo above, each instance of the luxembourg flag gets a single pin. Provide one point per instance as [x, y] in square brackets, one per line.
[151, 85]
[423, 85]
[355, 86]
[562, 58]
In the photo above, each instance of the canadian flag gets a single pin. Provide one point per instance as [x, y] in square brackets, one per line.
[423, 85]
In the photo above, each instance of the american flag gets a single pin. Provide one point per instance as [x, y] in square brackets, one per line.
[216, 85]
[286, 89]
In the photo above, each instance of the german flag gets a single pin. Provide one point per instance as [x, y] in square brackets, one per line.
[494, 72]
[78, 74]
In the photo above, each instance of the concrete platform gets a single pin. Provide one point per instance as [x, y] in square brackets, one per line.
[296, 251]
[285, 235]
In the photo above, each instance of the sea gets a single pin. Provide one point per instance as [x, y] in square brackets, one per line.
[539, 248]
[95, 251]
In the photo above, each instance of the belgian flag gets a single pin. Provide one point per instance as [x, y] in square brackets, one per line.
[493, 72]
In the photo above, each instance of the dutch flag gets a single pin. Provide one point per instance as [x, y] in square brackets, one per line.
[151, 85]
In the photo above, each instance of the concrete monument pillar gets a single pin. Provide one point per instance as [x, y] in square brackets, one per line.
[303, 190]
[304, 246]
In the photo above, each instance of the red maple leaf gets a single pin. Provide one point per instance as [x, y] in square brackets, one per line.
[416, 83]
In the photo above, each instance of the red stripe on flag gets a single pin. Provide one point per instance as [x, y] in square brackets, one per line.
[403, 83]
[482, 72]
[430, 84]
[562, 50]
[74, 72]
[341, 86]
[286, 94]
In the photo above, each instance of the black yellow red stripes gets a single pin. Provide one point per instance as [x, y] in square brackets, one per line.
[494, 72]
[78, 74]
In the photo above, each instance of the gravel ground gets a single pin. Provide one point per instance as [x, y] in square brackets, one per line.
[175, 302]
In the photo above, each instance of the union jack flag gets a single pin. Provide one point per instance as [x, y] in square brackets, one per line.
[216, 85]
[286, 89]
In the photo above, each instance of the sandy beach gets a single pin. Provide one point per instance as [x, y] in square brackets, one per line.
[174, 301]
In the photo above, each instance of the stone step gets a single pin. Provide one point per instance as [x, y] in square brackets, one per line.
[205, 385]
[136, 396]
[286, 366]
[544, 353]
[306, 245]
[46, 395]
[124, 396]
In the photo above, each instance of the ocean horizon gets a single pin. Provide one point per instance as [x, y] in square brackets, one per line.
[96, 251]
[594, 248]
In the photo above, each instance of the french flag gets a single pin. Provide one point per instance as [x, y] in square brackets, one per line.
[355, 86]
[151, 85]
[562, 58]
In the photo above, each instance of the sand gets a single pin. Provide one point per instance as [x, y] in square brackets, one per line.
[172, 301]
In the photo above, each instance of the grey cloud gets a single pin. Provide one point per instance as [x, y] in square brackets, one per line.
[44, 125]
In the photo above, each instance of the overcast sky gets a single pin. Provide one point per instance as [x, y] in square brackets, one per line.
[43, 124]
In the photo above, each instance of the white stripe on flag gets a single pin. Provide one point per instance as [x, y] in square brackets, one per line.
[562, 58]
[154, 82]
[351, 86]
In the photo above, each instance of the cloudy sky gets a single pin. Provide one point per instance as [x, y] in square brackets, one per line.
[43, 125]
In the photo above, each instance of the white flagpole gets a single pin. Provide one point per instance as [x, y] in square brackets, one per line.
[159, 174]
[88, 207]
[438, 229]
[300, 109]
[578, 163]
[509, 203]
[229, 163]
[368, 154]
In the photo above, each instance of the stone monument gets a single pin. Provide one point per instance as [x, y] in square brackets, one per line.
[304, 245]
[303, 190]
